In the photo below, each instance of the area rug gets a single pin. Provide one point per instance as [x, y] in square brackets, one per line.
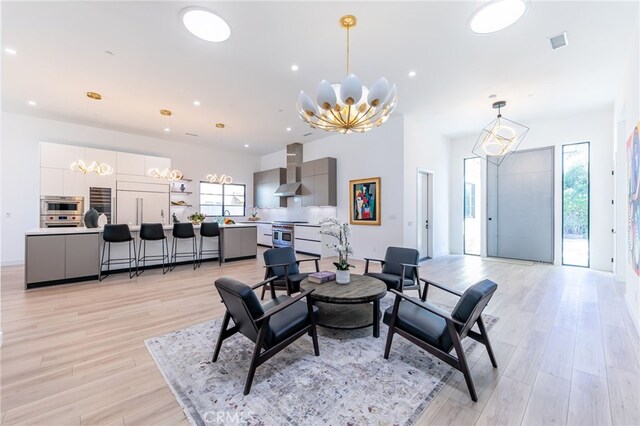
[350, 383]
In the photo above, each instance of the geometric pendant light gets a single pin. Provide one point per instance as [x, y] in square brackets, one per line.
[499, 138]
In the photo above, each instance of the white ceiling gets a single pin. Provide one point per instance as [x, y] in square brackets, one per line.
[246, 82]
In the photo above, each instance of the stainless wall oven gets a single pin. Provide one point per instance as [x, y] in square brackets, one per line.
[60, 211]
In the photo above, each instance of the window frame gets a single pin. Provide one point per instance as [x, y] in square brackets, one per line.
[223, 206]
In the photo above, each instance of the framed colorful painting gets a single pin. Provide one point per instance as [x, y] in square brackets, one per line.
[633, 158]
[364, 197]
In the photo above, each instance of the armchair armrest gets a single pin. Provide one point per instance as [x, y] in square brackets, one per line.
[284, 305]
[261, 283]
[368, 259]
[315, 259]
[429, 307]
[441, 287]
[275, 265]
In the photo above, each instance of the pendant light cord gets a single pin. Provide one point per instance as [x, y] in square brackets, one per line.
[348, 28]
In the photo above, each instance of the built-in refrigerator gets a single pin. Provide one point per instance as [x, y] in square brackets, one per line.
[138, 202]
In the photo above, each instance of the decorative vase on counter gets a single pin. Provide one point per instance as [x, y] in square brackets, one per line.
[343, 277]
[91, 218]
[102, 220]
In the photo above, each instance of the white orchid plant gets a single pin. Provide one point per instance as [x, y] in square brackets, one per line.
[340, 231]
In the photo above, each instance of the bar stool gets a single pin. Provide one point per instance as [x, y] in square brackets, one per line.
[117, 234]
[153, 232]
[209, 230]
[183, 231]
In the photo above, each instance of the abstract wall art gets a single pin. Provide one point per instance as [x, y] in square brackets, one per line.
[364, 197]
[633, 161]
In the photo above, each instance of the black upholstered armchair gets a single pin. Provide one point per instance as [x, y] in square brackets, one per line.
[438, 331]
[282, 264]
[272, 326]
[398, 262]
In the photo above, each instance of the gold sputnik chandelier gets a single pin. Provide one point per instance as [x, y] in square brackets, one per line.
[348, 106]
[101, 169]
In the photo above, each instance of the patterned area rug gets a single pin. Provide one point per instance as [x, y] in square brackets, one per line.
[350, 383]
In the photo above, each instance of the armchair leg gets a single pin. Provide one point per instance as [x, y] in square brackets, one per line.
[312, 331]
[392, 327]
[462, 360]
[487, 343]
[225, 324]
[255, 359]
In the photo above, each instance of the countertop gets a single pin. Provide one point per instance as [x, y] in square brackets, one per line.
[83, 230]
[264, 222]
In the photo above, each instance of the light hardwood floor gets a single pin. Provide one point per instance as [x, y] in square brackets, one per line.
[566, 348]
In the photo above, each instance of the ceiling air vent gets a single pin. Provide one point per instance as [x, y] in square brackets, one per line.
[559, 41]
[191, 134]
[307, 134]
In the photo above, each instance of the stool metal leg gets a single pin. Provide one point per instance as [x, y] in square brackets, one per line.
[165, 244]
[200, 253]
[195, 253]
[104, 249]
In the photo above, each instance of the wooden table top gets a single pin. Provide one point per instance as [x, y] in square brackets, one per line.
[360, 289]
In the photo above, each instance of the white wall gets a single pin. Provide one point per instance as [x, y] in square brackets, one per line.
[626, 116]
[425, 149]
[378, 152]
[20, 167]
[594, 127]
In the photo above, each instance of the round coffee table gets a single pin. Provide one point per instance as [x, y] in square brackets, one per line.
[361, 291]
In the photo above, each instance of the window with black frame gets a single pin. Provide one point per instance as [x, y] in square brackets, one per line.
[216, 198]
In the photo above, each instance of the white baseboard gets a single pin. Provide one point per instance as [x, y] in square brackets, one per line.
[15, 262]
[633, 315]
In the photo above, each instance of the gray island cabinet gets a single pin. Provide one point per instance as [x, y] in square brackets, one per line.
[66, 255]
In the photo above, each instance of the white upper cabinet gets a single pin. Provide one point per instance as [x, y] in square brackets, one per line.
[73, 184]
[100, 156]
[51, 181]
[58, 156]
[130, 164]
[159, 163]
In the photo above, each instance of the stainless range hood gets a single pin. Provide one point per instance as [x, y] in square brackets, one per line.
[294, 164]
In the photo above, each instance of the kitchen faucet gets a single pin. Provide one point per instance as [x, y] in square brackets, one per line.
[226, 213]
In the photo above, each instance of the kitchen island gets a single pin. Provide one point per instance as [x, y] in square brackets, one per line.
[65, 255]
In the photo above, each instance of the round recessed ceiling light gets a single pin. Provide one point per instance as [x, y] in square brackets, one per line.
[205, 24]
[294, 67]
[32, 103]
[166, 129]
[220, 125]
[94, 95]
[11, 51]
[496, 15]
[288, 129]
[246, 145]
[196, 103]
[412, 73]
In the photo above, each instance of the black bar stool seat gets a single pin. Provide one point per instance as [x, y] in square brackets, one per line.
[117, 234]
[183, 231]
[210, 230]
[153, 232]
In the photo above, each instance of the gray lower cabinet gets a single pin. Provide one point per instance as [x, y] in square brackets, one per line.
[82, 255]
[239, 242]
[61, 257]
[45, 259]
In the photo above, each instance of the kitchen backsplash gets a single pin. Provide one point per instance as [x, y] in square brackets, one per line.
[296, 212]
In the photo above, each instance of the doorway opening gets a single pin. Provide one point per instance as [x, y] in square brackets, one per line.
[472, 205]
[575, 204]
[425, 214]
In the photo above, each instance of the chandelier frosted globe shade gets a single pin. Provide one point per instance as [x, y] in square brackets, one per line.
[348, 106]
[497, 15]
[205, 25]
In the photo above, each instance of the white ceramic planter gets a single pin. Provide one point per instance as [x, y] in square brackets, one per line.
[343, 277]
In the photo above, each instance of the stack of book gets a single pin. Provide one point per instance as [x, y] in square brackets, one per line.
[322, 277]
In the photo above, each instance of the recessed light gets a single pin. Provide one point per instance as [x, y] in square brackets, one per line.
[246, 145]
[412, 73]
[166, 129]
[220, 125]
[32, 103]
[205, 25]
[196, 103]
[288, 129]
[94, 95]
[496, 15]
[294, 67]
[11, 51]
